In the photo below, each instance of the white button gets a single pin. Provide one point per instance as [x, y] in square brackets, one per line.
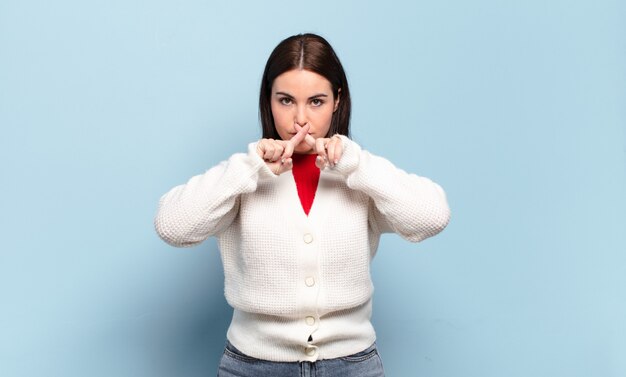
[310, 320]
[309, 281]
[308, 238]
[310, 351]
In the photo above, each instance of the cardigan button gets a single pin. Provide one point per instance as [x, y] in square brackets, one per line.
[309, 281]
[310, 350]
[308, 238]
[310, 320]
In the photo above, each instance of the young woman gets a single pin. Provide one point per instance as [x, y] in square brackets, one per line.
[298, 219]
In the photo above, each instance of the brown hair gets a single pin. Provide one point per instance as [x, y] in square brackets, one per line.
[312, 53]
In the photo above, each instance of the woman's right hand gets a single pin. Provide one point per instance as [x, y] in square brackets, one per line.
[277, 153]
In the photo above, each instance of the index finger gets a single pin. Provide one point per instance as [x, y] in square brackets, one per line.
[307, 138]
[301, 135]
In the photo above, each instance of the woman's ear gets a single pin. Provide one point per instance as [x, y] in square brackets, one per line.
[337, 100]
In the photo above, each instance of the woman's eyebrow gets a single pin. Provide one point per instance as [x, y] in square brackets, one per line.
[284, 94]
[290, 96]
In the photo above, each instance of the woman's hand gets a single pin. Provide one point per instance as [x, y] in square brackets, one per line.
[329, 150]
[277, 153]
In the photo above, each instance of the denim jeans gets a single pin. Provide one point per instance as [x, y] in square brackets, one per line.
[366, 363]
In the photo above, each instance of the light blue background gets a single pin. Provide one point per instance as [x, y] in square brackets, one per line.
[516, 108]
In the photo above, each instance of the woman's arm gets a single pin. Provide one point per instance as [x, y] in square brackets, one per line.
[414, 207]
[190, 213]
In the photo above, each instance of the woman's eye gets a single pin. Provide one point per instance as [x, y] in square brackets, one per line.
[317, 102]
[285, 101]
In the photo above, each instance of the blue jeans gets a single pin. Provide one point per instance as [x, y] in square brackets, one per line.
[366, 363]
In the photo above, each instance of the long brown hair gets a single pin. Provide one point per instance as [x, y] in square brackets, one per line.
[315, 54]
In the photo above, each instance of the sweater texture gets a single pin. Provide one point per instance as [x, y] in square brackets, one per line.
[300, 285]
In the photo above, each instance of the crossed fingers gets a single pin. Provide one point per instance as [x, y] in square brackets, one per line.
[277, 153]
[329, 150]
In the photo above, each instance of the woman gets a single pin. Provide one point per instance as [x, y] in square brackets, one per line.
[298, 219]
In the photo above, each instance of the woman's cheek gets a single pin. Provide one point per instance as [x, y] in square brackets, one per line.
[281, 128]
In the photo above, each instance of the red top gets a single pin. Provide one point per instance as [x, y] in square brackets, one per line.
[306, 175]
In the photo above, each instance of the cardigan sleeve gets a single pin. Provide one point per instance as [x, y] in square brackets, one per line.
[208, 203]
[414, 207]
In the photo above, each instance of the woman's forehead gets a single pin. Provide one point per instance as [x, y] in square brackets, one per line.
[301, 82]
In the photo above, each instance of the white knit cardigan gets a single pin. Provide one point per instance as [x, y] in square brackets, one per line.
[300, 285]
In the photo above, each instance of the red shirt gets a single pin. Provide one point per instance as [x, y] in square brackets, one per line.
[306, 175]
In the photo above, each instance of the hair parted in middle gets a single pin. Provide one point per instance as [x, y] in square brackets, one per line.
[313, 53]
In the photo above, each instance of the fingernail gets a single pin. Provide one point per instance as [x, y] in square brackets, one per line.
[336, 161]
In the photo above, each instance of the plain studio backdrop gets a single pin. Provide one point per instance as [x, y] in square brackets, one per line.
[518, 109]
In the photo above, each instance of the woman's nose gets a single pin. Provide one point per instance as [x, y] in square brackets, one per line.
[301, 118]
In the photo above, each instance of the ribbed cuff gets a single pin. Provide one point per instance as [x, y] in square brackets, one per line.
[265, 173]
[349, 160]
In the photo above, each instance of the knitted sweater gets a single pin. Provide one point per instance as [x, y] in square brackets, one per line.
[300, 285]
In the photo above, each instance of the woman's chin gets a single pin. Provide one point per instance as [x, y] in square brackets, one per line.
[303, 148]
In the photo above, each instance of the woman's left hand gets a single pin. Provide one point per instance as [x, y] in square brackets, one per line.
[329, 149]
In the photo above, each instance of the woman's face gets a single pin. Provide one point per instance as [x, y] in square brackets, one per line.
[301, 96]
